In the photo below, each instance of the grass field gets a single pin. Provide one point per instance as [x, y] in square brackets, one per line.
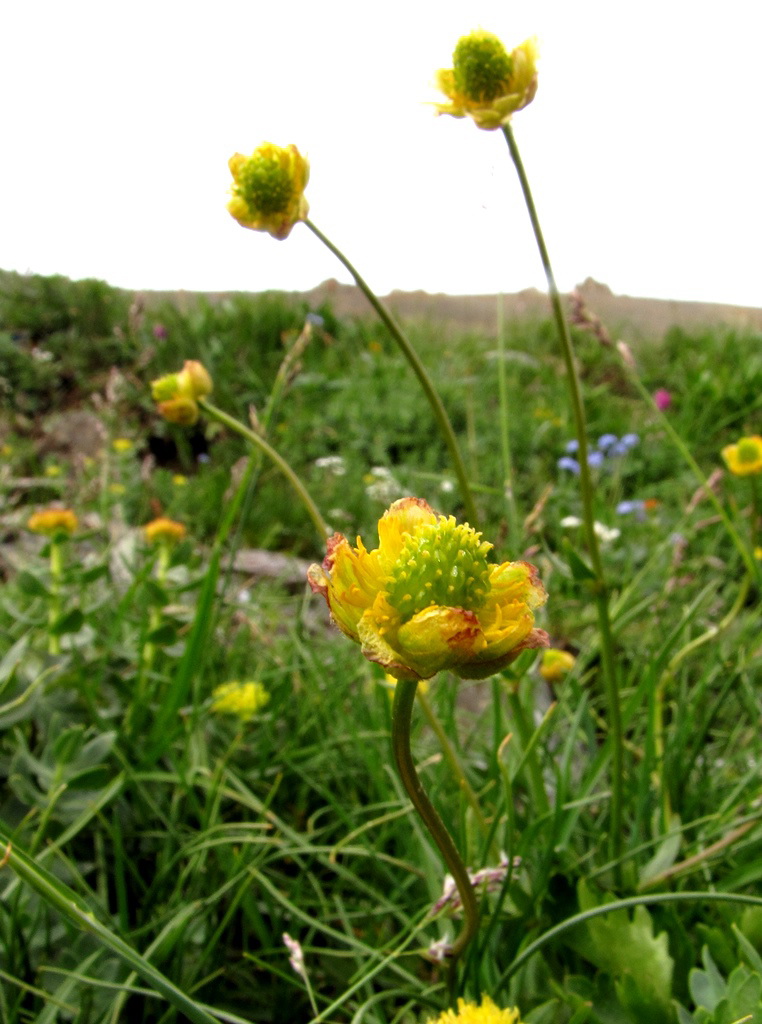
[162, 836]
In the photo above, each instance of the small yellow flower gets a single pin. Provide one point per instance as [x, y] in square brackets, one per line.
[53, 471]
[179, 480]
[485, 1013]
[556, 664]
[163, 530]
[758, 553]
[486, 82]
[53, 521]
[6, 451]
[268, 189]
[427, 599]
[122, 445]
[117, 490]
[745, 457]
[177, 394]
[242, 699]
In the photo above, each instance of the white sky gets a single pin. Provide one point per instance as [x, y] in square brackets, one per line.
[643, 144]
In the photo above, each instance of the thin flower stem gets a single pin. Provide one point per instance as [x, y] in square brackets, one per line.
[452, 759]
[586, 488]
[54, 608]
[402, 710]
[440, 413]
[259, 442]
[514, 532]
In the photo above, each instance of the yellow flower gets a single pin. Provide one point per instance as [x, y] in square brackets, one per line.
[486, 82]
[268, 189]
[242, 699]
[427, 599]
[179, 480]
[163, 530]
[485, 1013]
[53, 521]
[53, 471]
[117, 490]
[745, 457]
[556, 665]
[177, 394]
[121, 445]
[6, 450]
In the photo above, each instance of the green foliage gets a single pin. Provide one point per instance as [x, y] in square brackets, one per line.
[195, 840]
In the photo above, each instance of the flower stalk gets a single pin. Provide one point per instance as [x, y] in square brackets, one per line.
[440, 413]
[600, 589]
[259, 442]
[402, 710]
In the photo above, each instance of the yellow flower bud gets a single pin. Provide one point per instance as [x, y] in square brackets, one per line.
[122, 445]
[164, 531]
[745, 457]
[485, 1012]
[556, 665]
[177, 394]
[427, 599]
[486, 82]
[268, 189]
[53, 522]
[241, 699]
[179, 410]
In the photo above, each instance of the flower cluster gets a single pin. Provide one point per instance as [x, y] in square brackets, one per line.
[268, 189]
[427, 599]
[486, 82]
[53, 522]
[177, 394]
[241, 699]
[744, 458]
[608, 446]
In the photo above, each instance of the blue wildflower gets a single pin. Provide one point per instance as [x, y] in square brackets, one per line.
[595, 460]
[566, 462]
[630, 440]
[571, 446]
[606, 441]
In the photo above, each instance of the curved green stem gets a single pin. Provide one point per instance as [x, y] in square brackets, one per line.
[259, 442]
[514, 522]
[404, 698]
[586, 489]
[452, 759]
[440, 413]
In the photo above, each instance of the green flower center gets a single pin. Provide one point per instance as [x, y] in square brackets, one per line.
[442, 563]
[265, 185]
[748, 451]
[481, 66]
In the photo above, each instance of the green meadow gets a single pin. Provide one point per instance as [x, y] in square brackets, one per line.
[159, 836]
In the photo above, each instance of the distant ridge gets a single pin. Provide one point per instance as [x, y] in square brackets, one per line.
[623, 315]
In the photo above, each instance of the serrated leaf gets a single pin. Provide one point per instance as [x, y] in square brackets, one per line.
[628, 950]
[31, 585]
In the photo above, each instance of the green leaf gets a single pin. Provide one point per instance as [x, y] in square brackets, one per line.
[707, 987]
[70, 622]
[666, 853]
[580, 570]
[628, 950]
[163, 635]
[91, 575]
[31, 585]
